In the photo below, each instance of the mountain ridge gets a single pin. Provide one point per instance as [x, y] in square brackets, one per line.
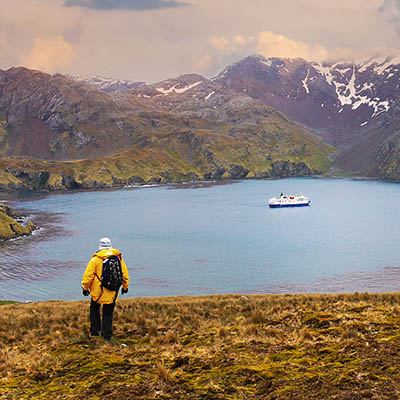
[58, 133]
[343, 103]
[253, 120]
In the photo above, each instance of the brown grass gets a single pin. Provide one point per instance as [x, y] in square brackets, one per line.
[216, 347]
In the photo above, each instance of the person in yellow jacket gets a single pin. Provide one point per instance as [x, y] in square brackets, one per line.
[91, 284]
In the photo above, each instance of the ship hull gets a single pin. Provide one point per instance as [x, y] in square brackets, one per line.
[289, 205]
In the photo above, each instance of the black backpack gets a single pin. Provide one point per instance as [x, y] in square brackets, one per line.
[111, 276]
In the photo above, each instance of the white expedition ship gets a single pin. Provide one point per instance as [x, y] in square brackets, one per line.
[289, 201]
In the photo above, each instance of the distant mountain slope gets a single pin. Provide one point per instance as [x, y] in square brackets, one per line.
[55, 118]
[56, 132]
[351, 106]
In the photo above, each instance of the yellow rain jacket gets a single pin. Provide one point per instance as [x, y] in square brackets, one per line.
[92, 282]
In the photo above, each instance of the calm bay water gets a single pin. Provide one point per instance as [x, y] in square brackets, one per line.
[213, 239]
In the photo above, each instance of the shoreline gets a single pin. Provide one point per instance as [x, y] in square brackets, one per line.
[22, 194]
[179, 297]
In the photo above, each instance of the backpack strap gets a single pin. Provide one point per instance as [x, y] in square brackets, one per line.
[101, 283]
[101, 294]
[116, 295]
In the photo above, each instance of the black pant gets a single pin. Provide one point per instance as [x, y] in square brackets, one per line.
[105, 325]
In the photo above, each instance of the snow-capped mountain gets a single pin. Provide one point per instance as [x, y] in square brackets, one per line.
[107, 84]
[353, 106]
[334, 99]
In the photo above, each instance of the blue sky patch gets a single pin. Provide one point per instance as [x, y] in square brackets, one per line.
[141, 5]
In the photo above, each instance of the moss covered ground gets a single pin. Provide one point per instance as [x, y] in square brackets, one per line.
[216, 347]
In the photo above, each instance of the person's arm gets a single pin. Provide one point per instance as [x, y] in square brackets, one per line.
[125, 275]
[89, 274]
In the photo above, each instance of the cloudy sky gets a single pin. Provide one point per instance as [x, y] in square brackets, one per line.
[151, 40]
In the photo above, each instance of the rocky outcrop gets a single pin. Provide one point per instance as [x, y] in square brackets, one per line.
[79, 177]
[388, 158]
[286, 169]
[69, 182]
[237, 172]
[214, 174]
[12, 225]
[36, 180]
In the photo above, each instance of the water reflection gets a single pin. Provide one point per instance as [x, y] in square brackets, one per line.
[20, 260]
[384, 280]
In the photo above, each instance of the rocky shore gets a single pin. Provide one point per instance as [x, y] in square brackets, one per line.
[45, 176]
[12, 224]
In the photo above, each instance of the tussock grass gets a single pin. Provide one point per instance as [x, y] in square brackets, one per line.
[215, 347]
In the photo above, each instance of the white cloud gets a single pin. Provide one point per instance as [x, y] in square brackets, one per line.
[140, 5]
[273, 45]
[219, 42]
[231, 45]
[240, 40]
[204, 63]
[50, 55]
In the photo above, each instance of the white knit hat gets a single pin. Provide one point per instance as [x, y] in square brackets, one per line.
[105, 243]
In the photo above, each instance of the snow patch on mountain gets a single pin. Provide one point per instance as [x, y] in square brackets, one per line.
[365, 64]
[343, 70]
[367, 86]
[388, 64]
[325, 71]
[304, 82]
[267, 62]
[210, 94]
[174, 89]
[346, 88]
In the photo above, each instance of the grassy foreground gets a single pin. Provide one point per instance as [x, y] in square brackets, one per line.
[215, 347]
